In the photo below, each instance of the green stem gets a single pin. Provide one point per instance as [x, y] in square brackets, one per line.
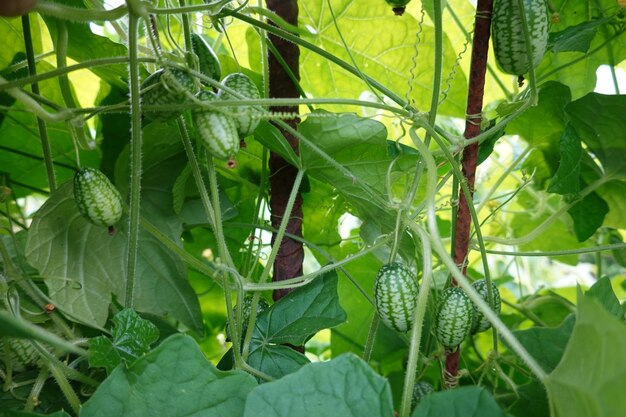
[217, 213]
[283, 226]
[534, 95]
[196, 172]
[550, 220]
[192, 262]
[371, 337]
[567, 252]
[33, 396]
[41, 125]
[135, 166]
[66, 388]
[418, 319]
[305, 279]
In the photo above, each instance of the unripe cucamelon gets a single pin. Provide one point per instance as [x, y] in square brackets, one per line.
[20, 352]
[395, 296]
[166, 87]
[97, 198]
[246, 309]
[217, 131]
[209, 64]
[454, 317]
[245, 116]
[420, 390]
[398, 6]
[509, 42]
[479, 321]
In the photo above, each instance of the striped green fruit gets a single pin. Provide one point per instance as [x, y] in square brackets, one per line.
[21, 353]
[218, 131]
[479, 321]
[209, 64]
[246, 309]
[246, 117]
[97, 198]
[420, 390]
[454, 317]
[395, 296]
[509, 43]
[163, 88]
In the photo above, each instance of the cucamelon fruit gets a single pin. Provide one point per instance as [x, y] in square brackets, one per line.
[244, 116]
[166, 87]
[479, 321]
[97, 198]
[217, 131]
[454, 317]
[507, 29]
[395, 296]
[209, 64]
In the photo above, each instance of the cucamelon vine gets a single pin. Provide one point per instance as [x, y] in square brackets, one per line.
[395, 296]
[509, 43]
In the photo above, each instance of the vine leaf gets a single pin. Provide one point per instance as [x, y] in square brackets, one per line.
[599, 121]
[588, 215]
[294, 319]
[566, 180]
[84, 266]
[598, 341]
[132, 337]
[175, 379]
[303, 313]
[382, 46]
[575, 38]
[460, 402]
[547, 345]
[343, 386]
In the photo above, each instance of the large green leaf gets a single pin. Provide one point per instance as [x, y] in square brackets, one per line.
[383, 47]
[460, 402]
[173, 380]
[588, 380]
[295, 318]
[344, 386]
[84, 266]
[546, 345]
[350, 153]
[599, 121]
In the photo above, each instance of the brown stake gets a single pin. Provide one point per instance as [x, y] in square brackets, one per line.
[288, 263]
[478, 68]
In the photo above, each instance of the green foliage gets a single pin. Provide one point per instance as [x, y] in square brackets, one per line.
[132, 337]
[464, 401]
[598, 341]
[343, 386]
[174, 379]
[379, 132]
